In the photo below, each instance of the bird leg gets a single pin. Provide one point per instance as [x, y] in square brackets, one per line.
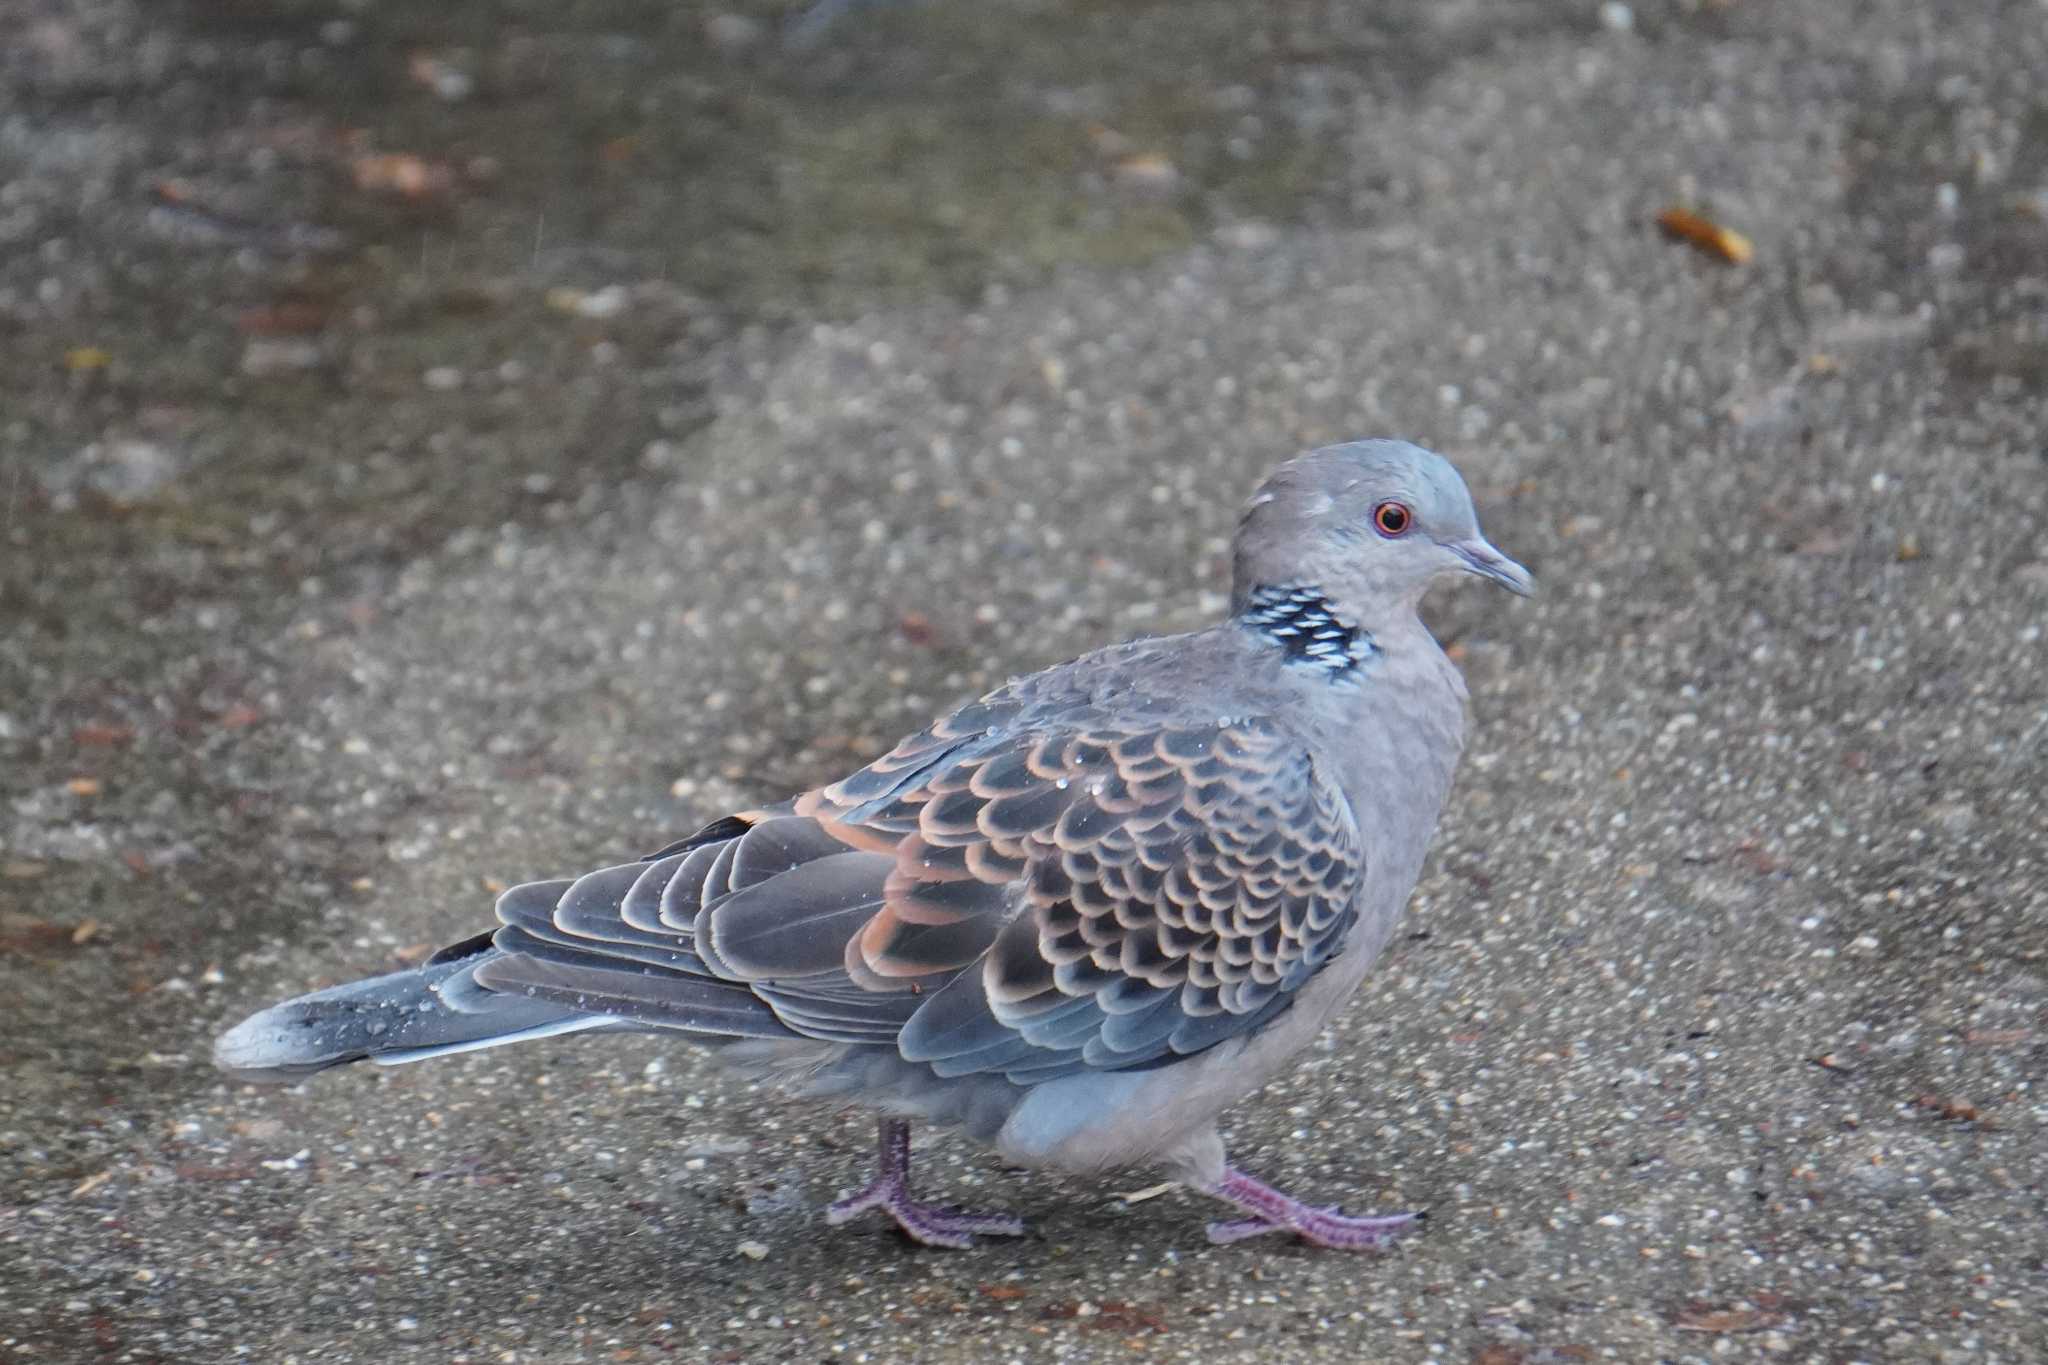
[935, 1225]
[1272, 1211]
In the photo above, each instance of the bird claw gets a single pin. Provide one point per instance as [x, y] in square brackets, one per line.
[1328, 1226]
[934, 1225]
[1324, 1225]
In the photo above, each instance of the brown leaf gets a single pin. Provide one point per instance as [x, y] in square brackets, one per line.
[289, 319]
[403, 174]
[100, 734]
[1710, 237]
[241, 716]
[916, 628]
[1109, 1316]
[1955, 1111]
[27, 934]
[1753, 856]
[1003, 1292]
[84, 786]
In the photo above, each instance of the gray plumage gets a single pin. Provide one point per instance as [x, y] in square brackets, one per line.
[1077, 917]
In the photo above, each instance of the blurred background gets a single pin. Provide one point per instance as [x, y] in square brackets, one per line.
[447, 445]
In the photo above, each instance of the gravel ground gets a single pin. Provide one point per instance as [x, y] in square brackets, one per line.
[370, 543]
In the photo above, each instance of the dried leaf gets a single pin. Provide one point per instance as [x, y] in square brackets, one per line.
[915, 628]
[1722, 1321]
[87, 358]
[90, 1183]
[27, 934]
[1956, 1111]
[1109, 1316]
[1723, 243]
[283, 319]
[1753, 856]
[1003, 1292]
[402, 173]
[100, 734]
[1149, 1192]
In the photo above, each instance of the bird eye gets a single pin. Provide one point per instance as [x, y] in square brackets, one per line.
[1392, 519]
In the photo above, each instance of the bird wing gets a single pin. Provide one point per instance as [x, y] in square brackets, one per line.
[996, 894]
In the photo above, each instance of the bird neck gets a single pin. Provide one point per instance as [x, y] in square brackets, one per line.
[1307, 628]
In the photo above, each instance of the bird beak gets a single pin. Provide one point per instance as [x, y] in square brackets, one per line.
[1481, 558]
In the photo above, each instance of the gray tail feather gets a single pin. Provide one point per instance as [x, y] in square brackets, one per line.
[405, 1016]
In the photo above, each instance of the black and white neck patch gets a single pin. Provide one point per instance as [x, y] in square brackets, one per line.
[1304, 624]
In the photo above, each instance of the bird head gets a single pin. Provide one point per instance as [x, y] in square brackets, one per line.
[1372, 524]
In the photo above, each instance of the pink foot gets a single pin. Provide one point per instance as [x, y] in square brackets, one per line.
[1272, 1211]
[934, 1225]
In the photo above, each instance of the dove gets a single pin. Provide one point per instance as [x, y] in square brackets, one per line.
[1075, 919]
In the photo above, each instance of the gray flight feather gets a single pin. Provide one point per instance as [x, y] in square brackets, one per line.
[1171, 856]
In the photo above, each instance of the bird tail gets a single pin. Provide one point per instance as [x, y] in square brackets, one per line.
[406, 1016]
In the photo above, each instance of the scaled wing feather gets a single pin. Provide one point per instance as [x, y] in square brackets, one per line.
[998, 894]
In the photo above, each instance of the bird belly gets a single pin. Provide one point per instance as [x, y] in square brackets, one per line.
[1098, 1121]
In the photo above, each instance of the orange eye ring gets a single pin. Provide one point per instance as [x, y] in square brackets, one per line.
[1392, 519]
